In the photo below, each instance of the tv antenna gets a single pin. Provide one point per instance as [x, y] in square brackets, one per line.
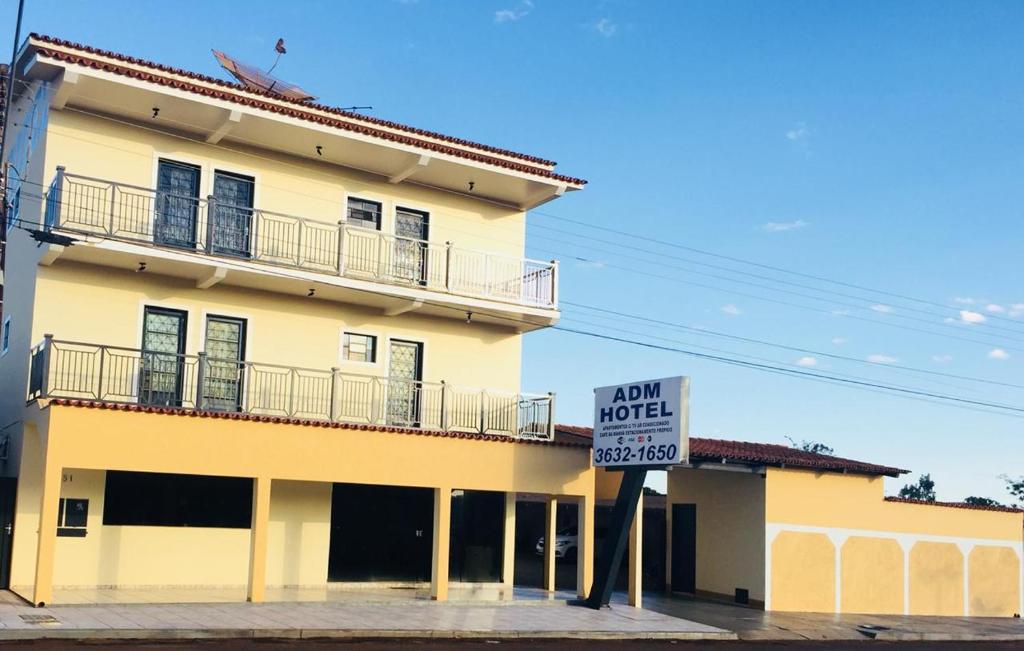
[252, 77]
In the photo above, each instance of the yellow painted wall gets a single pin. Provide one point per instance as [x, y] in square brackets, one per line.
[79, 302]
[730, 528]
[872, 572]
[872, 576]
[803, 572]
[993, 584]
[91, 440]
[936, 579]
[107, 149]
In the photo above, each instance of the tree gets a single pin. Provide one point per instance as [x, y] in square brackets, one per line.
[1015, 487]
[811, 446]
[981, 501]
[923, 490]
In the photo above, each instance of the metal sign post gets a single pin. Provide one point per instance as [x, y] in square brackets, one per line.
[638, 427]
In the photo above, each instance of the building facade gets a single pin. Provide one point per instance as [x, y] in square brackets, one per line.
[788, 530]
[251, 341]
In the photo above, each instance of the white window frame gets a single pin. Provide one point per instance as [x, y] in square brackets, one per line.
[366, 332]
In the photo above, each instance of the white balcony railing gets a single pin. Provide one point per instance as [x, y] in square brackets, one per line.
[81, 204]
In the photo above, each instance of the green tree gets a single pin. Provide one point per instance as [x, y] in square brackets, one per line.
[1016, 488]
[811, 446]
[923, 490]
[981, 501]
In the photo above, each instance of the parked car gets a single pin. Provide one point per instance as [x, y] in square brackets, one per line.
[565, 544]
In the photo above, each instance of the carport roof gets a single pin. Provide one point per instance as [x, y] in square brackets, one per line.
[748, 453]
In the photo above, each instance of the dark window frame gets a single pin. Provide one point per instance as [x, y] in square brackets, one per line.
[147, 499]
[374, 348]
[363, 217]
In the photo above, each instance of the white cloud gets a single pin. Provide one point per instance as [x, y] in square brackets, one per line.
[881, 359]
[995, 308]
[781, 227]
[731, 310]
[514, 13]
[799, 132]
[998, 353]
[969, 316]
[884, 309]
[840, 313]
[942, 359]
[807, 361]
[964, 300]
[605, 28]
[1016, 310]
[838, 341]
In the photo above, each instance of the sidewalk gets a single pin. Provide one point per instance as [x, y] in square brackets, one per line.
[751, 624]
[408, 619]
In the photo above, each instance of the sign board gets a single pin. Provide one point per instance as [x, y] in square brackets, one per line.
[642, 423]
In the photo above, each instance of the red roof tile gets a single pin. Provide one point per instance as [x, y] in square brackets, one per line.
[309, 422]
[285, 106]
[956, 505]
[715, 450]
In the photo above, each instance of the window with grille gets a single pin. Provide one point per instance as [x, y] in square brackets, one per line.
[365, 214]
[359, 348]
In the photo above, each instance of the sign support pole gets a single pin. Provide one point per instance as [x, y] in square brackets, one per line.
[610, 558]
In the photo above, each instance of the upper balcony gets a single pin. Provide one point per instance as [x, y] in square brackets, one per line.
[133, 227]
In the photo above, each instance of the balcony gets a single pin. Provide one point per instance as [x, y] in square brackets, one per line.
[249, 240]
[95, 372]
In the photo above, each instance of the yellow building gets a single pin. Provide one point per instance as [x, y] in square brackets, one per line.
[789, 530]
[254, 341]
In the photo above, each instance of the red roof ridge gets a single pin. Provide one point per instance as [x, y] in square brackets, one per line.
[955, 505]
[310, 422]
[765, 453]
[296, 112]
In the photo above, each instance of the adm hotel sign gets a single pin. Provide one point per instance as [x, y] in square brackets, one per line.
[642, 423]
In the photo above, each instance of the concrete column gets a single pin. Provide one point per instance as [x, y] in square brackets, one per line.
[258, 539]
[42, 593]
[636, 555]
[508, 550]
[585, 546]
[550, 533]
[442, 543]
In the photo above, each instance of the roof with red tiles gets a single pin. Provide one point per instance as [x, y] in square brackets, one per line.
[309, 422]
[762, 454]
[348, 120]
[957, 505]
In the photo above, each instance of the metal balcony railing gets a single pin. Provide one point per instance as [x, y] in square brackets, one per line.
[91, 206]
[64, 369]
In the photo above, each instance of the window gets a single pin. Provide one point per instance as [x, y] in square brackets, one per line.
[72, 516]
[365, 214]
[359, 348]
[5, 336]
[165, 500]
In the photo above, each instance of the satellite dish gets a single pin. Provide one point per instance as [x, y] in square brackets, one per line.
[253, 77]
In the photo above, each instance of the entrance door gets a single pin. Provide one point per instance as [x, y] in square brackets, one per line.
[405, 370]
[684, 548]
[225, 352]
[163, 362]
[412, 229]
[8, 485]
[231, 214]
[177, 204]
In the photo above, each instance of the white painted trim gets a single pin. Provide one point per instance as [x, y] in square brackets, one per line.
[370, 332]
[838, 536]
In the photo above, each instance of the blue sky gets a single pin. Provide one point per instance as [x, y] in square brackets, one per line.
[876, 143]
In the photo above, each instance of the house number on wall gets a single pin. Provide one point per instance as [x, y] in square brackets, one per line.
[67, 477]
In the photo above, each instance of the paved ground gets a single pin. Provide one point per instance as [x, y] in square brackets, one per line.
[407, 619]
[751, 624]
[518, 645]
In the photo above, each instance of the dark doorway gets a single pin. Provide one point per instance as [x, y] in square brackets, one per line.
[8, 487]
[163, 350]
[684, 548]
[177, 204]
[231, 214]
[381, 533]
[478, 523]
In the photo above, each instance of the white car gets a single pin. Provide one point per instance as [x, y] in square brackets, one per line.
[565, 544]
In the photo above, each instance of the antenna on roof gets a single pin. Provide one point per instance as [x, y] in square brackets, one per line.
[254, 78]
